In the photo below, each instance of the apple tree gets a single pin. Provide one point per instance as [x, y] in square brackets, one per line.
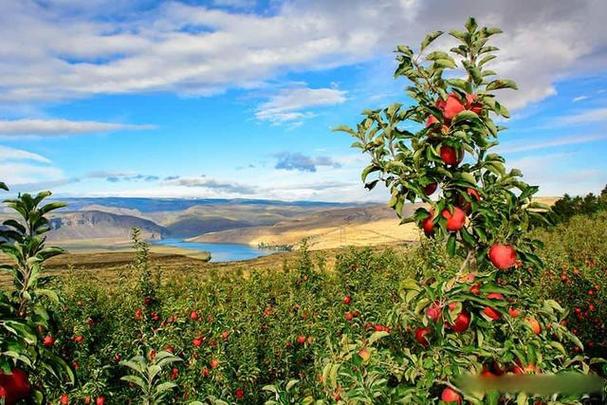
[29, 357]
[472, 317]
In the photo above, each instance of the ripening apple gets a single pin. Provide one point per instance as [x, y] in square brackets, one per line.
[194, 316]
[197, 341]
[364, 354]
[450, 396]
[48, 341]
[64, 399]
[347, 300]
[534, 325]
[434, 311]
[16, 385]
[502, 256]
[455, 220]
[451, 156]
[239, 393]
[420, 336]
[429, 189]
[452, 106]
[214, 363]
[491, 313]
[100, 400]
[461, 323]
[301, 339]
[428, 224]
[513, 312]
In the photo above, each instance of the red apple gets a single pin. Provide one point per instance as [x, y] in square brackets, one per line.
[301, 340]
[198, 341]
[16, 385]
[450, 396]
[194, 316]
[420, 336]
[239, 393]
[495, 296]
[138, 314]
[431, 121]
[455, 220]
[347, 300]
[429, 189]
[214, 363]
[100, 400]
[64, 399]
[434, 311]
[502, 256]
[513, 312]
[48, 341]
[462, 322]
[475, 289]
[534, 325]
[452, 107]
[491, 313]
[428, 224]
[450, 155]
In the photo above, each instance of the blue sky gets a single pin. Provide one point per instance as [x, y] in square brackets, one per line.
[236, 98]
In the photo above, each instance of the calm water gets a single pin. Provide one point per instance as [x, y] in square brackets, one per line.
[220, 252]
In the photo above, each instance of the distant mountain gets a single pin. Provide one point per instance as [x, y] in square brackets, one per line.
[326, 229]
[88, 225]
[145, 205]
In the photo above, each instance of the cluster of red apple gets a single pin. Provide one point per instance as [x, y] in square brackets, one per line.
[503, 256]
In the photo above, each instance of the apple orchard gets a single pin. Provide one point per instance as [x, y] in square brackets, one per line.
[474, 298]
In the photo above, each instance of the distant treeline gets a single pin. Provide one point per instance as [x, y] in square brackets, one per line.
[569, 206]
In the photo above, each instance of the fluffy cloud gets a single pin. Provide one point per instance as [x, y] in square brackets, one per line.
[585, 117]
[292, 105]
[56, 127]
[12, 154]
[525, 146]
[298, 161]
[20, 167]
[62, 51]
[213, 185]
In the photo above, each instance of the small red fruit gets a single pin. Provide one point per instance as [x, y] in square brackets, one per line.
[48, 341]
[495, 296]
[138, 314]
[502, 256]
[301, 340]
[198, 341]
[491, 313]
[78, 339]
[64, 399]
[194, 316]
[430, 188]
[431, 121]
[450, 396]
[451, 156]
[513, 312]
[455, 220]
[434, 311]
[364, 354]
[420, 336]
[347, 300]
[214, 363]
[100, 400]
[534, 325]
[16, 385]
[428, 224]
[205, 372]
[174, 373]
[349, 316]
[462, 322]
[239, 393]
[117, 357]
[475, 289]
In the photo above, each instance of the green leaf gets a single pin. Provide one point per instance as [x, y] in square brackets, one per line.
[502, 84]
[430, 38]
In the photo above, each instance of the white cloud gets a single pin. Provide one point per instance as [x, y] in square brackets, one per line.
[60, 51]
[54, 127]
[585, 117]
[579, 98]
[12, 154]
[293, 104]
[20, 167]
[525, 146]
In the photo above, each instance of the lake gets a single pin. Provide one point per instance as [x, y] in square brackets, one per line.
[220, 252]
